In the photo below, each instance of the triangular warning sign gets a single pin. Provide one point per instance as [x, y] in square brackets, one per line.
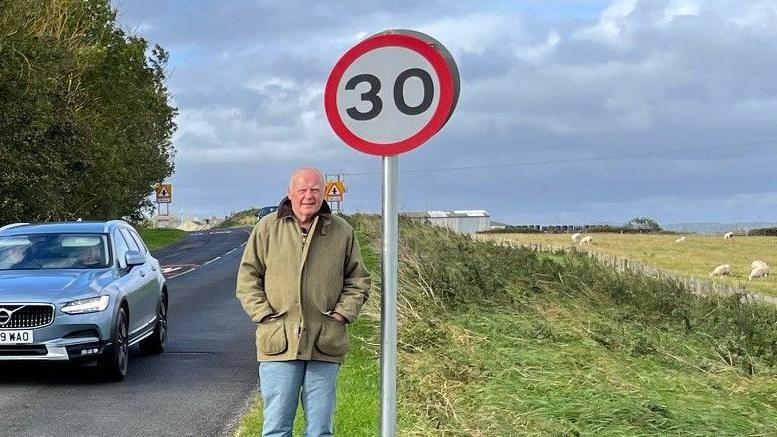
[333, 191]
[163, 192]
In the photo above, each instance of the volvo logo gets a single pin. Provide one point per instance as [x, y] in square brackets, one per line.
[5, 316]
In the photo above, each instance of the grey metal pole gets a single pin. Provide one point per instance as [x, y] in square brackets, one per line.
[388, 308]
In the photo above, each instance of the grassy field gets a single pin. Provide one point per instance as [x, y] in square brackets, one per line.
[159, 238]
[496, 341]
[697, 256]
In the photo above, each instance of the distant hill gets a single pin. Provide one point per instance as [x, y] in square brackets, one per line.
[716, 228]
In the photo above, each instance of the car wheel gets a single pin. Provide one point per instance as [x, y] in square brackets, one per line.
[114, 362]
[156, 342]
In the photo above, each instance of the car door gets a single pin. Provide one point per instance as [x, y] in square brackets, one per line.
[130, 281]
[148, 291]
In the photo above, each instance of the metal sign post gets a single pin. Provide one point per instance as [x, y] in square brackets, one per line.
[387, 95]
[388, 307]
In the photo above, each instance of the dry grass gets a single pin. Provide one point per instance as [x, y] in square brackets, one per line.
[697, 256]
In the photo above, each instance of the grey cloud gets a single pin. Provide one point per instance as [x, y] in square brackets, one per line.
[246, 74]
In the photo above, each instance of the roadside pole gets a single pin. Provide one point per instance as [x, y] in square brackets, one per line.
[387, 95]
[388, 308]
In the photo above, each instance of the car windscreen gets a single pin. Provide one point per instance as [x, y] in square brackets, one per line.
[54, 251]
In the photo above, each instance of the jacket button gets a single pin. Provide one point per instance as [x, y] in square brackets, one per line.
[299, 352]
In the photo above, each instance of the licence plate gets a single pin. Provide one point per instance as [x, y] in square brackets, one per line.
[15, 337]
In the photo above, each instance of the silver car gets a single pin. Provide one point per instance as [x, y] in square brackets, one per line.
[79, 292]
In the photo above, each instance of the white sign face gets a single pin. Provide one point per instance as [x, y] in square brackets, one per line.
[391, 92]
[388, 94]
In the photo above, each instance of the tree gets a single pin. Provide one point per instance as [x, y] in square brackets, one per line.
[643, 224]
[85, 119]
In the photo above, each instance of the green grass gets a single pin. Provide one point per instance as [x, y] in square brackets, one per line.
[159, 238]
[496, 341]
[242, 218]
[697, 256]
[500, 341]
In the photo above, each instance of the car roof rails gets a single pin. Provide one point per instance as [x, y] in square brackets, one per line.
[12, 225]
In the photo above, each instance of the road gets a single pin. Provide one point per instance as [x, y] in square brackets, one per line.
[198, 387]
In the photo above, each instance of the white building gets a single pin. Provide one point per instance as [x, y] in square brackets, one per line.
[467, 221]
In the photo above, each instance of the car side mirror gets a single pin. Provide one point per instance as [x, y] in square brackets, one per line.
[135, 258]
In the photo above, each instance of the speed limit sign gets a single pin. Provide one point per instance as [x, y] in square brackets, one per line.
[391, 92]
[386, 95]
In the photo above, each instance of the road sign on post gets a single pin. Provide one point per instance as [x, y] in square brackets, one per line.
[335, 191]
[387, 95]
[164, 192]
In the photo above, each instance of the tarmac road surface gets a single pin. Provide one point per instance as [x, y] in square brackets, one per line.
[198, 387]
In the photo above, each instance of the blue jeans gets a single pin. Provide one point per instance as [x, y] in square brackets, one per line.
[284, 383]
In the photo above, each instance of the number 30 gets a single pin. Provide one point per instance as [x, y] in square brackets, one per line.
[371, 95]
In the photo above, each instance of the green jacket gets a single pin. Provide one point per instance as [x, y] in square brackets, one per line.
[298, 284]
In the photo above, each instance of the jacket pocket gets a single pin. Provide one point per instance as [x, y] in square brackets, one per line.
[271, 335]
[333, 338]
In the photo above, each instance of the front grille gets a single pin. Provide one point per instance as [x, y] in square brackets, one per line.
[16, 350]
[26, 316]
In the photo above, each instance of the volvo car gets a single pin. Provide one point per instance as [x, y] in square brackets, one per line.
[80, 292]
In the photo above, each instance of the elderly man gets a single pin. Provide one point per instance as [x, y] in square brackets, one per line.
[301, 280]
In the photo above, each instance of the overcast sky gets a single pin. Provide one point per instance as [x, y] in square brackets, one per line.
[686, 90]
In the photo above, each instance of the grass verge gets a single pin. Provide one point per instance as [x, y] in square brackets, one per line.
[496, 341]
[159, 238]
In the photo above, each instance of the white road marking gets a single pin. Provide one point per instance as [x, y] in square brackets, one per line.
[214, 259]
[171, 269]
[183, 273]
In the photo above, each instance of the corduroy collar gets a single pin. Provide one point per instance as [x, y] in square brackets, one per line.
[284, 209]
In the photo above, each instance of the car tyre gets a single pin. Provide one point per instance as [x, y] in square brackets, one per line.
[115, 360]
[157, 341]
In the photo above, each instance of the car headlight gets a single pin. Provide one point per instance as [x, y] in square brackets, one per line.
[91, 305]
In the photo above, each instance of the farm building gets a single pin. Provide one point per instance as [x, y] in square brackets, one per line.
[461, 221]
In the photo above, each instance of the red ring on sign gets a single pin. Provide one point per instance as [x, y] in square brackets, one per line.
[438, 119]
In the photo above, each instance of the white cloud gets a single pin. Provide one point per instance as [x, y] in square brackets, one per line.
[681, 8]
[475, 33]
[612, 24]
[538, 52]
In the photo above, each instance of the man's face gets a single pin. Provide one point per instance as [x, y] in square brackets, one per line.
[305, 193]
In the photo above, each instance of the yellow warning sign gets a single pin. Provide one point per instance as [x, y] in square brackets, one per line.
[334, 191]
[164, 192]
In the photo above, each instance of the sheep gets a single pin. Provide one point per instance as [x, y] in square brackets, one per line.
[721, 270]
[758, 263]
[728, 235]
[679, 240]
[759, 272]
[575, 236]
[586, 240]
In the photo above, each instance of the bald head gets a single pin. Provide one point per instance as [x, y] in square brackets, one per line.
[307, 172]
[306, 192]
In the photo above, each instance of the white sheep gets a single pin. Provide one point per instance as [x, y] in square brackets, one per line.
[759, 272]
[728, 235]
[679, 240]
[586, 240]
[758, 263]
[721, 270]
[575, 236]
